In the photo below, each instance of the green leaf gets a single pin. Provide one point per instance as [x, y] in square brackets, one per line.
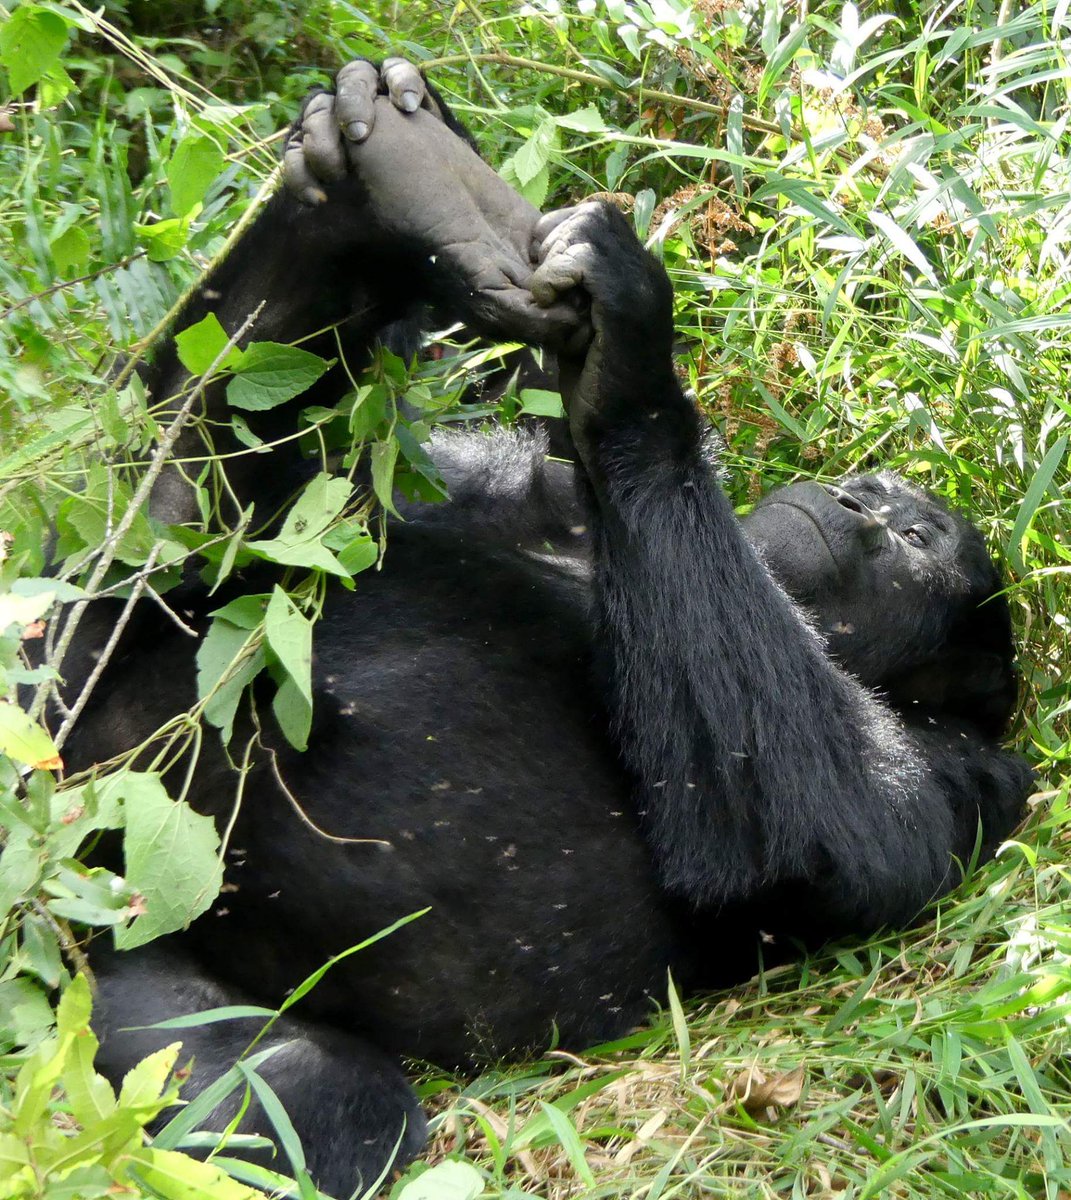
[143, 1084]
[359, 554]
[278, 1116]
[31, 41]
[198, 1110]
[680, 1027]
[21, 862]
[175, 1176]
[20, 611]
[246, 612]
[70, 250]
[87, 519]
[799, 192]
[299, 542]
[534, 155]
[25, 1013]
[194, 165]
[209, 1016]
[565, 1132]
[200, 345]
[384, 460]
[536, 189]
[448, 1180]
[74, 1009]
[294, 713]
[310, 553]
[905, 244]
[310, 981]
[171, 860]
[164, 239]
[1032, 500]
[90, 1095]
[268, 374]
[222, 644]
[540, 403]
[289, 635]
[25, 741]
[583, 120]
[94, 897]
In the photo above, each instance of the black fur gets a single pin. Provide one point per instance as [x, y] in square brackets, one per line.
[598, 737]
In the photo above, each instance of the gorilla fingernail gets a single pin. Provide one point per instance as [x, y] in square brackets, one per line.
[314, 196]
[410, 101]
[357, 131]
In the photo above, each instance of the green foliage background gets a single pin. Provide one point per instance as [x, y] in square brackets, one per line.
[867, 217]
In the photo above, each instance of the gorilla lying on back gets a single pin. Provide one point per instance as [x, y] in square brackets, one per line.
[602, 727]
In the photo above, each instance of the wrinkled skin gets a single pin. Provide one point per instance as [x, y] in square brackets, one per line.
[477, 227]
[600, 728]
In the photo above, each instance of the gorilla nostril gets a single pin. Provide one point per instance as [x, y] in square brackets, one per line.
[846, 499]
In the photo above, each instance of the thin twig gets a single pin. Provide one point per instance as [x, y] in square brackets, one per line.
[169, 612]
[67, 283]
[106, 653]
[68, 942]
[156, 464]
[704, 106]
[306, 819]
[530, 64]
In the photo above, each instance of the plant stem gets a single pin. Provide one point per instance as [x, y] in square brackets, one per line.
[156, 464]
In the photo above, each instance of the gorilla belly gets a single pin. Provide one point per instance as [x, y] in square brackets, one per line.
[460, 763]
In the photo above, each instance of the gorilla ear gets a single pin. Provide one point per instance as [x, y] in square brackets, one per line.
[972, 676]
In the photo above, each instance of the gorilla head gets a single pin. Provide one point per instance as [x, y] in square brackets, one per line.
[903, 590]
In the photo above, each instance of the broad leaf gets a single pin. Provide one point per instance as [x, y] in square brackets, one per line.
[289, 635]
[25, 741]
[222, 644]
[194, 165]
[200, 345]
[268, 375]
[171, 860]
[31, 41]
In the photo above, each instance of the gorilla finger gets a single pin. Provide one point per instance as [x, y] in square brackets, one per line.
[405, 86]
[298, 179]
[564, 270]
[544, 227]
[562, 326]
[324, 154]
[507, 311]
[356, 86]
[578, 224]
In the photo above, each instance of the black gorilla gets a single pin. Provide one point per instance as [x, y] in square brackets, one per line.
[602, 727]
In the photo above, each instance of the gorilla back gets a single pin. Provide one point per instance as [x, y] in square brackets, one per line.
[576, 717]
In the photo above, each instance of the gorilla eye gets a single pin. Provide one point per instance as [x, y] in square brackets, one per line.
[916, 536]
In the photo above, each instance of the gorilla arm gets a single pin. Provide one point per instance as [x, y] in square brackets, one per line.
[764, 770]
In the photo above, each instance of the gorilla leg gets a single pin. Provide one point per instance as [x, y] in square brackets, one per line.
[349, 1102]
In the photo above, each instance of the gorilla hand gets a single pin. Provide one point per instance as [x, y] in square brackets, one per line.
[418, 186]
[592, 251]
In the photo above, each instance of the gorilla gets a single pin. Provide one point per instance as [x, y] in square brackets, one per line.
[596, 725]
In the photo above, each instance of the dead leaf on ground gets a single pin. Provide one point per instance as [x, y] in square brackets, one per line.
[756, 1093]
[643, 1135]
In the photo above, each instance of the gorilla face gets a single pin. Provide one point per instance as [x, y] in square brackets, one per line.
[901, 588]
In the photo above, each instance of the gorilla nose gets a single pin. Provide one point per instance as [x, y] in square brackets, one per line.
[871, 527]
[846, 499]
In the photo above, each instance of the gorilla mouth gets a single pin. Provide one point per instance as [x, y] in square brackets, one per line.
[796, 551]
